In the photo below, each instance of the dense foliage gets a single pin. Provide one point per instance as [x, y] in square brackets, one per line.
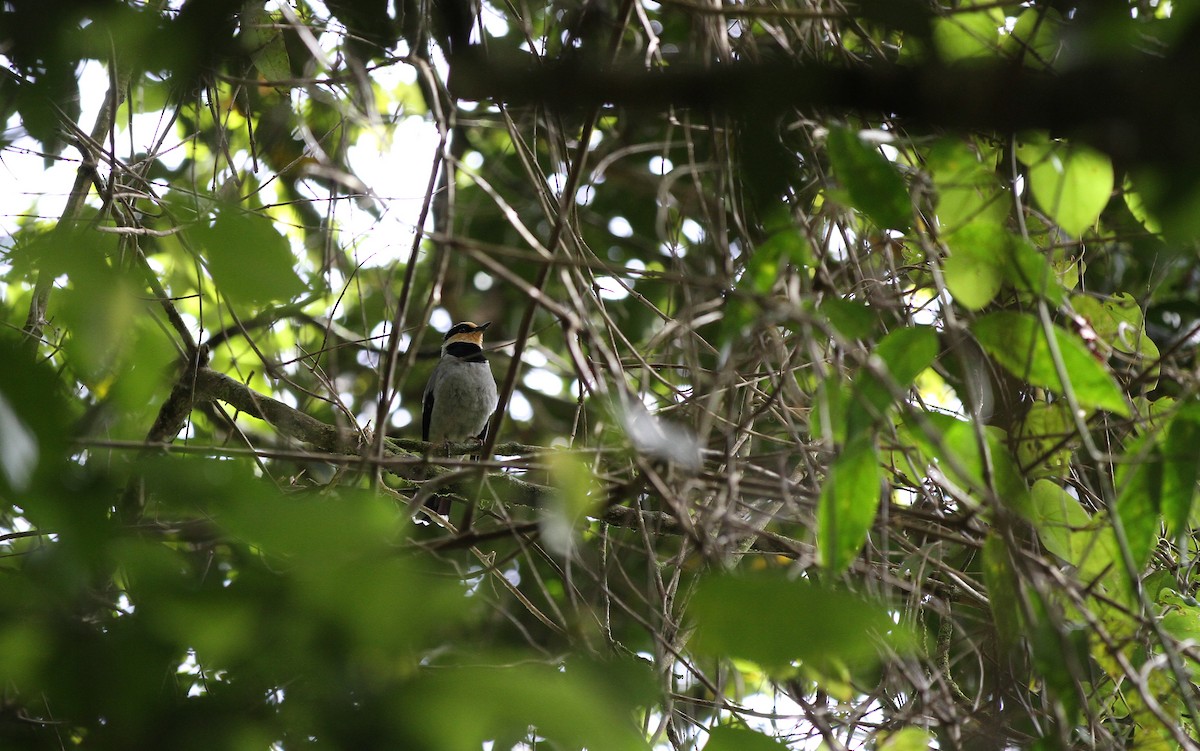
[845, 355]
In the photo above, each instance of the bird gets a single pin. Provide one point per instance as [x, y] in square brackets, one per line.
[461, 394]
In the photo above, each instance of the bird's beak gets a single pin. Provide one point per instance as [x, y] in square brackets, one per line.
[483, 325]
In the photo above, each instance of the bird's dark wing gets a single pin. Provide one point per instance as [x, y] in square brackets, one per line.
[426, 414]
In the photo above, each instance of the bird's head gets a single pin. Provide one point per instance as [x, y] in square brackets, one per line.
[466, 332]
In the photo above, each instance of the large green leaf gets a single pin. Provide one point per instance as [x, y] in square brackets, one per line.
[1017, 341]
[1035, 36]
[1139, 490]
[1060, 521]
[578, 705]
[968, 36]
[1044, 440]
[1181, 453]
[975, 269]
[1001, 582]
[1072, 183]
[262, 37]
[972, 468]
[967, 191]
[849, 501]
[874, 185]
[775, 622]
[249, 261]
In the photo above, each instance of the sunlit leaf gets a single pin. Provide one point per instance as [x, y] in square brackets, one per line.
[1034, 38]
[967, 36]
[1060, 521]
[263, 39]
[249, 261]
[1017, 341]
[1137, 206]
[975, 269]
[967, 190]
[1072, 183]
[908, 739]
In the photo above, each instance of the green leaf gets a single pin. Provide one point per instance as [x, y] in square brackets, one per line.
[263, 39]
[1017, 342]
[830, 408]
[1071, 183]
[249, 261]
[774, 621]
[1181, 450]
[905, 353]
[1044, 440]
[1031, 272]
[1183, 624]
[1034, 37]
[1137, 206]
[1002, 590]
[785, 246]
[573, 706]
[975, 269]
[873, 183]
[908, 739]
[35, 424]
[961, 441]
[1139, 488]
[968, 36]
[1054, 650]
[848, 504]
[967, 191]
[730, 738]
[852, 319]
[576, 495]
[1060, 521]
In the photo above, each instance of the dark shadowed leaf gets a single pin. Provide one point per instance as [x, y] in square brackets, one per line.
[1002, 590]
[1139, 491]
[873, 183]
